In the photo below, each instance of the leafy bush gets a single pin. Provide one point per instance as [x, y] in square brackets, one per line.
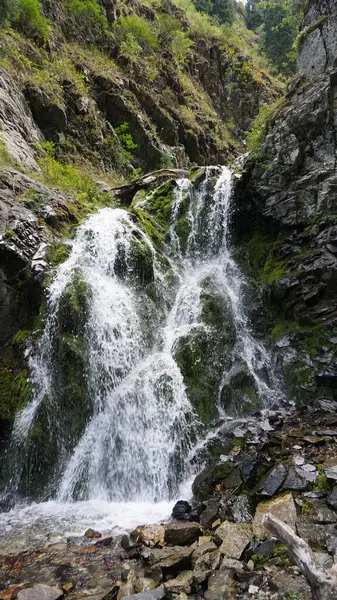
[224, 10]
[181, 45]
[89, 16]
[257, 134]
[126, 140]
[130, 48]
[140, 30]
[28, 18]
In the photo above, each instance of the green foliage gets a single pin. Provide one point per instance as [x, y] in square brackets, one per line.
[126, 140]
[29, 19]
[130, 48]
[278, 22]
[88, 15]
[141, 31]
[181, 45]
[70, 179]
[321, 483]
[5, 157]
[259, 128]
[7, 11]
[222, 9]
[58, 253]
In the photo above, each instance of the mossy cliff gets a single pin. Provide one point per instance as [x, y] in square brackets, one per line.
[287, 213]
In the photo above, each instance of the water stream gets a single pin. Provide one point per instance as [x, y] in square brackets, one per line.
[129, 462]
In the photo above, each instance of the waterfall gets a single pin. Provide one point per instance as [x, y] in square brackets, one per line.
[123, 430]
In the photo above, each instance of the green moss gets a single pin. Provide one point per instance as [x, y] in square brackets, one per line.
[321, 483]
[58, 253]
[197, 174]
[15, 388]
[182, 229]
[21, 337]
[265, 259]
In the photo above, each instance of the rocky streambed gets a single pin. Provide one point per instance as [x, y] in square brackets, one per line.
[217, 547]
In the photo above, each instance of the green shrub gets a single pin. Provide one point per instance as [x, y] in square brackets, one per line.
[130, 48]
[29, 19]
[126, 140]
[141, 31]
[8, 10]
[88, 15]
[181, 45]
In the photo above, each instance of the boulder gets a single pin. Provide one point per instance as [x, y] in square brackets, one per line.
[151, 535]
[234, 537]
[240, 510]
[40, 592]
[182, 533]
[182, 584]
[272, 481]
[92, 534]
[170, 559]
[181, 510]
[220, 585]
[205, 565]
[282, 508]
[314, 533]
[332, 499]
[208, 516]
[203, 549]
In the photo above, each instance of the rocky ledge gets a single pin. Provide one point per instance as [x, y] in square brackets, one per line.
[217, 547]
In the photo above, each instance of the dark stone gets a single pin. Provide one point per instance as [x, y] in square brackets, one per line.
[272, 481]
[233, 480]
[247, 466]
[332, 499]
[208, 516]
[181, 510]
[294, 481]
[182, 533]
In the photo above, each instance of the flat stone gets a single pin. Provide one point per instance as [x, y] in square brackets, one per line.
[235, 537]
[182, 533]
[294, 481]
[41, 592]
[157, 594]
[282, 508]
[331, 473]
[320, 513]
[272, 481]
[174, 557]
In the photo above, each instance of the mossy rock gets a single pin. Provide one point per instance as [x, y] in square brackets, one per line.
[74, 305]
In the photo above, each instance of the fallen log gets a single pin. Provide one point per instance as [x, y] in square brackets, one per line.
[323, 584]
[126, 191]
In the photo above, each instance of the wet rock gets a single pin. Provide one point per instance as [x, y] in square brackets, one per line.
[181, 510]
[151, 535]
[241, 510]
[181, 584]
[282, 508]
[209, 515]
[234, 537]
[129, 542]
[156, 594]
[40, 592]
[272, 481]
[182, 533]
[92, 534]
[247, 466]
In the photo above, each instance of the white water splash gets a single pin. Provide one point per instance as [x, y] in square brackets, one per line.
[134, 452]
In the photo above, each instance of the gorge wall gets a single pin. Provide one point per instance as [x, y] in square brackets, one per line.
[287, 213]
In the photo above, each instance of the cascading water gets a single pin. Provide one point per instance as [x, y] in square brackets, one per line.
[136, 423]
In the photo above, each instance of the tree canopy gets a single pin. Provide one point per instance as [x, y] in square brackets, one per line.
[223, 9]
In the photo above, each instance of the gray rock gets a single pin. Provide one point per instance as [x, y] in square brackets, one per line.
[314, 533]
[182, 584]
[241, 510]
[272, 481]
[235, 537]
[208, 516]
[294, 481]
[40, 592]
[203, 549]
[332, 499]
[157, 594]
[182, 533]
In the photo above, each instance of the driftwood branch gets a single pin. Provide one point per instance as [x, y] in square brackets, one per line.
[126, 191]
[323, 583]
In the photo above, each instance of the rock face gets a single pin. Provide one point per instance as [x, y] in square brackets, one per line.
[287, 213]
